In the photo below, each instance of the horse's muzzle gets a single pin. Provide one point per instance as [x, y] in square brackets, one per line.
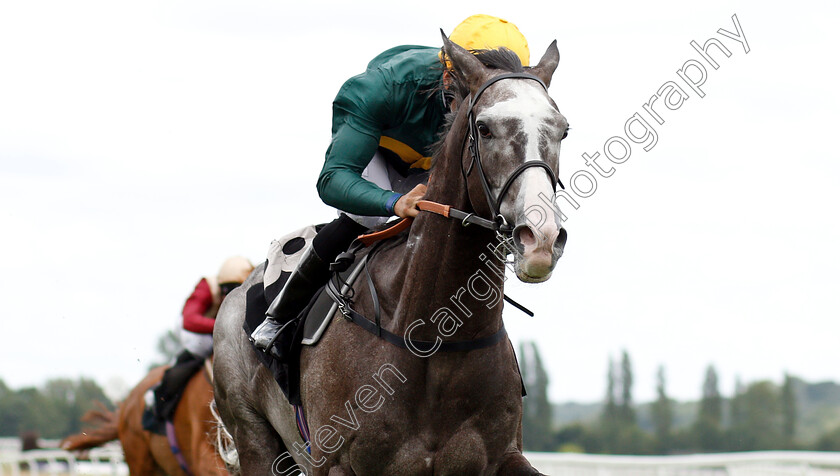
[537, 251]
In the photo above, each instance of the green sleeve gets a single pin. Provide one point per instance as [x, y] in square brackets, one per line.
[361, 110]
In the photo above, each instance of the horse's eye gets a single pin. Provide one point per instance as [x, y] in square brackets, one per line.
[483, 130]
[566, 133]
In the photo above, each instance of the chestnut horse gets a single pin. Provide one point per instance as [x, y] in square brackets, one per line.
[445, 397]
[147, 453]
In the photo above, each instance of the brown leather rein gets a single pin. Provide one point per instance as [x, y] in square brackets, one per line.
[432, 207]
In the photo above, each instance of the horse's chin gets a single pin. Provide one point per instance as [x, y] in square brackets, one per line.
[526, 278]
[534, 271]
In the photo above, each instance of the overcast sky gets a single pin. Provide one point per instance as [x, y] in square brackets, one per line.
[142, 143]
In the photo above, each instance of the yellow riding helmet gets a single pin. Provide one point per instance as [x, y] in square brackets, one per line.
[234, 270]
[485, 32]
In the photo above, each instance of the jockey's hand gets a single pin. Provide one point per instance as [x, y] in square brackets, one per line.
[406, 206]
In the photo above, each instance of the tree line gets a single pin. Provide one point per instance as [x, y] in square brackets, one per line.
[54, 410]
[758, 416]
[51, 411]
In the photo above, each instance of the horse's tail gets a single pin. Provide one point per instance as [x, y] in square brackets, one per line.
[104, 430]
[224, 443]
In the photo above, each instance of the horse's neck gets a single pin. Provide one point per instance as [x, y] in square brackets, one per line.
[449, 271]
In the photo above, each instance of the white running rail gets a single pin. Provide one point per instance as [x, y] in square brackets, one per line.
[109, 461]
[761, 463]
[105, 461]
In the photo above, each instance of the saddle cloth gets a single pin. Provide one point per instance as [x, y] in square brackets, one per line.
[281, 260]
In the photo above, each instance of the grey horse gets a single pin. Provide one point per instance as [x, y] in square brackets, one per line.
[376, 408]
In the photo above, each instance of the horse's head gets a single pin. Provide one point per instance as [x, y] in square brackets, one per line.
[515, 133]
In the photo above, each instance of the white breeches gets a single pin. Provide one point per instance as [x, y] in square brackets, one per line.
[386, 177]
[200, 345]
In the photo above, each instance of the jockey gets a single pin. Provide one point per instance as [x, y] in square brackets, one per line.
[199, 316]
[199, 313]
[385, 122]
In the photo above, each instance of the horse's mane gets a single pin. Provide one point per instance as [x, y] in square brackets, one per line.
[501, 59]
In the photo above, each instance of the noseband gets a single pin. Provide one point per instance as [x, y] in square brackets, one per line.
[499, 224]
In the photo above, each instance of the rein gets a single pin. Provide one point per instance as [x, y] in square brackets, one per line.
[449, 212]
[433, 207]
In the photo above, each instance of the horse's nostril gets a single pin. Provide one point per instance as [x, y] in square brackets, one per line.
[523, 237]
[560, 242]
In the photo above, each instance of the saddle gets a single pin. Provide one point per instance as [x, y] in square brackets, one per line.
[167, 394]
[282, 258]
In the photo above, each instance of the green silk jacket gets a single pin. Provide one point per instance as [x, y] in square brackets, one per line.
[395, 105]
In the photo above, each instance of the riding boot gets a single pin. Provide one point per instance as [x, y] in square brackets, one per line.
[311, 273]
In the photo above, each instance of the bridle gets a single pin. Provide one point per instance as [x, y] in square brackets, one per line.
[497, 223]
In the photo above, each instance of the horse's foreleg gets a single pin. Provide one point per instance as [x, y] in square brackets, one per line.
[514, 464]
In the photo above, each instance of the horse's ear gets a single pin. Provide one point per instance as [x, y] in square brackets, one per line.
[548, 63]
[464, 64]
